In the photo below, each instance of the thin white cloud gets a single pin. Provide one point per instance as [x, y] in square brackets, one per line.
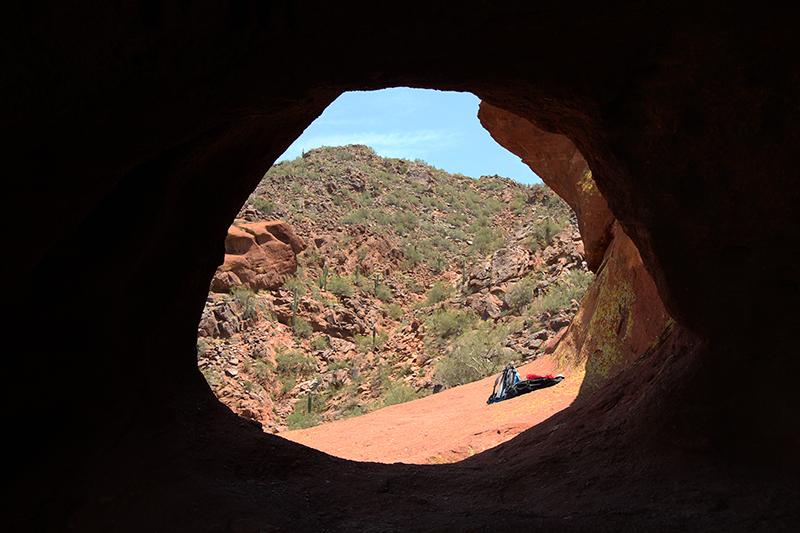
[407, 144]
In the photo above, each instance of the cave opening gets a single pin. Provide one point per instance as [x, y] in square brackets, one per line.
[356, 279]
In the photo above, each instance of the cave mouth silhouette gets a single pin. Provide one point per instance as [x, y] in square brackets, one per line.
[137, 134]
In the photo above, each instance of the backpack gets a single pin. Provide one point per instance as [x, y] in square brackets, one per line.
[503, 384]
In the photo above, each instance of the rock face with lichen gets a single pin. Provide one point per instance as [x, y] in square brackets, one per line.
[620, 317]
[621, 314]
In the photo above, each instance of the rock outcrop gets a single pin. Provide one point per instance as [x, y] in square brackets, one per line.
[556, 160]
[619, 319]
[258, 255]
[621, 315]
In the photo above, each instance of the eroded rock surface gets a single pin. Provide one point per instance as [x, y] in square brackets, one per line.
[555, 159]
[258, 255]
[621, 315]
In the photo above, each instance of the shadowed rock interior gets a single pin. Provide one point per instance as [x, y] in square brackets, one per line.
[133, 133]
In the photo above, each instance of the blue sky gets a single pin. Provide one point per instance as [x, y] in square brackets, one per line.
[439, 127]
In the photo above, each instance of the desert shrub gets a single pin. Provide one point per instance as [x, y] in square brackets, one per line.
[370, 342]
[352, 407]
[437, 262]
[336, 365]
[356, 217]
[287, 384]
[397, 198]
[400, 392]
[383, 293]
[394, 311]
[493, 205]
[340, 286]
[294, 284]
[476, 354]
[561, 294]
[456, 233]
[212, 378]
[301, 327]
[457, 220]
[554, 299]
[262, 368]
[293, 362]
[444, 325]
[542, 233]
[301, 418]
[481, 222]
[413, 256]
[404, 221]
[579, 281]
[519, 295]
[440, 292]
[487, 240]
[262, 205]
[202, 347]
[416, 288]
[320, 342]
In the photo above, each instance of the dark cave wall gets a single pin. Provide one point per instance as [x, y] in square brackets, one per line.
[133, 132]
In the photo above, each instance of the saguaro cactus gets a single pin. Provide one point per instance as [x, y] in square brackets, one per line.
[294, 307]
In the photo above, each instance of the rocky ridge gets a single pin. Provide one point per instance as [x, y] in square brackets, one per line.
[392, 299]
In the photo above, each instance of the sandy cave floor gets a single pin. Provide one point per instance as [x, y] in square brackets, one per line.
[445, 427]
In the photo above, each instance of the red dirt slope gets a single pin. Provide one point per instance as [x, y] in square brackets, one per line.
[445, 427]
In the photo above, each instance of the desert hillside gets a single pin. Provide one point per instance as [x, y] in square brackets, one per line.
[386, 280]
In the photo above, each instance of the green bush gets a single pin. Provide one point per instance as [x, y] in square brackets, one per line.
[336, 365]
[262, 205]
[301, 419]
[320, 342]
[399, 393]
[302, 328]
[247, 299]
[444, 325]
[369, 342]
[519, 295]
[476, 354]
[293, 362]
[404, 221]
[394, 311]
[202, 347]
[487, 240]
[383, 293]
[560, 295]
[359, 216]
[212, 378]
[262, 368]
[294, 284]
[542, 233]
[340, 286]
[440, 292]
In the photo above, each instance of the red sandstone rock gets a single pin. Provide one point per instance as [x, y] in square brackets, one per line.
[556, 160]
[258, 256]
[620, 316]
[622, 313]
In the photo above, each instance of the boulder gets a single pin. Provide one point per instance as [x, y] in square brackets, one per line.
[258, 255]
[508, 263]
